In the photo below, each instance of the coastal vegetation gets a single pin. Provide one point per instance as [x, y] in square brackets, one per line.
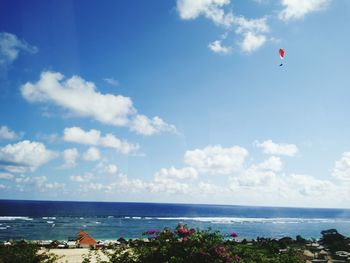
[184, 244]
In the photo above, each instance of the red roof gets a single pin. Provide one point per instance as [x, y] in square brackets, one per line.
[81, 234]
[87, 240]
[84, 238]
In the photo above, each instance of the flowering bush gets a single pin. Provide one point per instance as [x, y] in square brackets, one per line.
[185, 244]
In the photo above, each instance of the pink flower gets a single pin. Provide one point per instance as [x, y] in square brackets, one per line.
[183, 231]
[233, 234]
[238, 258]
[220, 250]
[151, 232]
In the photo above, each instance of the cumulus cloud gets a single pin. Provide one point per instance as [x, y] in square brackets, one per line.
[141, 124]
[122, 184]
[269, 147]
[205, 188]
[295, 9]
[11, 46]
[111, 169]
[125, 184]
[70, 157]
[211, 9]
[273, 163]
[7, 134]
[308, 185]
[216, 159]
[94, 138]
[170, 180]
[103, 167]
[252, 42]
[81, 98]
[168, 187]
[252, 31]
[256, 176]
[266, 177]
[173, 173]
[39, 182]
[341, 169]
[24, 156]
[82, 178]
[217, 47]
[92, 154]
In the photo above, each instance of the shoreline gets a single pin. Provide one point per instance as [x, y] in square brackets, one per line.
[180, 241]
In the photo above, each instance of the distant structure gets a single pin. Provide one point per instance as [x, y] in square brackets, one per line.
[84, 240]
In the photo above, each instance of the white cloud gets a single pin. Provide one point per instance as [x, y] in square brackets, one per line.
[216, 159]
[263, 178]
[81, 98]
[295, 9]
[173, 173]
[166, 180]
[6, 176]
[341, 169]
[252, 42]
[273, 163]
[111, 169]
[7, 134]
[11, 46]
[112, 81]
[255, 176]
[308, 185]
[253, 32]
[55, 185]
[217, 47]
[82, 178]
[103, 167]
[39, 182]
[125, 184]
[141, 124]
[211, 9]
[24, 156]
[92, 154]
[94, 138]
[269, 147]
[122, 184]
[168, 187]
[208, 189]
[251, 25]
[70, 157]
[258, 175]
[78, 135]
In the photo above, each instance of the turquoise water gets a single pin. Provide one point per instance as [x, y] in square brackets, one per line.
[61, 220]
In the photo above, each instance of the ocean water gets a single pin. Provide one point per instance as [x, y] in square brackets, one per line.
[37, 220]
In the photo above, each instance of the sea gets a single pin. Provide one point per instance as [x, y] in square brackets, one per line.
[61, 220]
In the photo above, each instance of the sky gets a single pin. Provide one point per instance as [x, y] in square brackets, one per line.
[179, 101]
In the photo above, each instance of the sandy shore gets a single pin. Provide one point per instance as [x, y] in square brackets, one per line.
[75, 255]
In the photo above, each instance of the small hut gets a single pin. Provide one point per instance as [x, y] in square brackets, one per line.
[84, 240]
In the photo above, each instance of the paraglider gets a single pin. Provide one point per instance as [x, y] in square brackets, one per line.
[281, 53]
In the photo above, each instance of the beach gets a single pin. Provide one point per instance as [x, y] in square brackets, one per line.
[74, 255]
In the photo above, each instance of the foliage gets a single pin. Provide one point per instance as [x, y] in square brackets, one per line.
[21, 252]
[189, 245]
[334, 241]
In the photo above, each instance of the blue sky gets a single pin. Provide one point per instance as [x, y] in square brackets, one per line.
[175, 101]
